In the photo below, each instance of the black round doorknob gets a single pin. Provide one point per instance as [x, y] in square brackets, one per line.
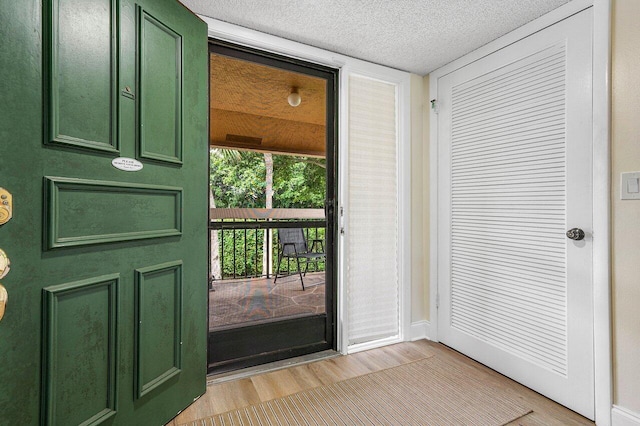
[576, 234]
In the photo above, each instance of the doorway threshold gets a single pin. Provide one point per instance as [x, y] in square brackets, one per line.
[243, 373]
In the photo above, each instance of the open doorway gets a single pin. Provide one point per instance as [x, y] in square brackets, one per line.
[272, 205]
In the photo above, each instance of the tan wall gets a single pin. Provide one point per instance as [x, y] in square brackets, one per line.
[418, 211]
[426, 116]
[625, 148]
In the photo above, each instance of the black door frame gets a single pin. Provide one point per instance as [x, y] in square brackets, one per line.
[282, 339]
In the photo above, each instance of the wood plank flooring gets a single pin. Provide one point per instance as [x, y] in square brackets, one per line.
[239, 393]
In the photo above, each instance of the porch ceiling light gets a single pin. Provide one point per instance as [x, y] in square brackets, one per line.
[294, 98]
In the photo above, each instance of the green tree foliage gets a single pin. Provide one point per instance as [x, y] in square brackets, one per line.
[298, 182]
[238, 181]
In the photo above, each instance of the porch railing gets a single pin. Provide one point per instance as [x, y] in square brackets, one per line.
[247, 242]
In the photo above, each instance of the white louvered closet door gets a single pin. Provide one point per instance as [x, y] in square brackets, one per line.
[515, 146]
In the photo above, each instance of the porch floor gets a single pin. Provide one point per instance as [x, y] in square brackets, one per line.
[236, 302]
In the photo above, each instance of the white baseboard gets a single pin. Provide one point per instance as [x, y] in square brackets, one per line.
[359, 347]
[420, 330]
[622, 417]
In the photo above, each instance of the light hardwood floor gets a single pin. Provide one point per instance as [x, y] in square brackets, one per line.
[239, 393]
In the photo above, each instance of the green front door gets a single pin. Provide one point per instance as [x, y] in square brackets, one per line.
[106, 320]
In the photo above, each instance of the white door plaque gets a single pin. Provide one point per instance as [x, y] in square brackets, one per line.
[126, 164]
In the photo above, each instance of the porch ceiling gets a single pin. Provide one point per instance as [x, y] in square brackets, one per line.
[249, 109]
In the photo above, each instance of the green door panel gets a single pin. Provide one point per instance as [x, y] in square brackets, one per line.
[86, 211]
[107, 315]
[160, 87]
[158, 325]
[80, 343]
[81, 85]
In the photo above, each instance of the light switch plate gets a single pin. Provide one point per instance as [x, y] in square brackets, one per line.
[630, 186]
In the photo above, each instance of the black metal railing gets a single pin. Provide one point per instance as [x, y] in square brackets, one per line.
[241, 246]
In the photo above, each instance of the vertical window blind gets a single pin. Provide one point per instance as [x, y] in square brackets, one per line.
[372, 264]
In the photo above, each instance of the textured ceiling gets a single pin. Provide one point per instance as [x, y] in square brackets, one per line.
[411, 35]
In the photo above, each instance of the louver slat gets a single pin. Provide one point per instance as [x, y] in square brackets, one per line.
[508, 208]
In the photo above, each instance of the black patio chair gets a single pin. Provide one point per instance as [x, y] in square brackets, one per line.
[293, 245]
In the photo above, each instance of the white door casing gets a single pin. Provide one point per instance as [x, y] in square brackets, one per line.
[514, 173]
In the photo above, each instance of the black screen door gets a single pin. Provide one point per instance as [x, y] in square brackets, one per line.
[258, 309]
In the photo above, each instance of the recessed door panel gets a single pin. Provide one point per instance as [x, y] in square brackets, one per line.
[82, 86]
[79, 381]
[84, 211]
[159, 325]
[160, 90]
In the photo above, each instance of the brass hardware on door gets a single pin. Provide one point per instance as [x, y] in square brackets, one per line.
[3, 300]
[6, 206]
[128, 92]
[5, 264]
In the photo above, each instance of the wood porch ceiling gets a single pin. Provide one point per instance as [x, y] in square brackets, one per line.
[249, 109]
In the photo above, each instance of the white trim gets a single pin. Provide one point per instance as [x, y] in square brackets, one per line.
[251, 38]
[621, 416]
[420, 330]
[601, 182]
[602, 340]
[343, 203]
[359, 347]
[348, 66]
